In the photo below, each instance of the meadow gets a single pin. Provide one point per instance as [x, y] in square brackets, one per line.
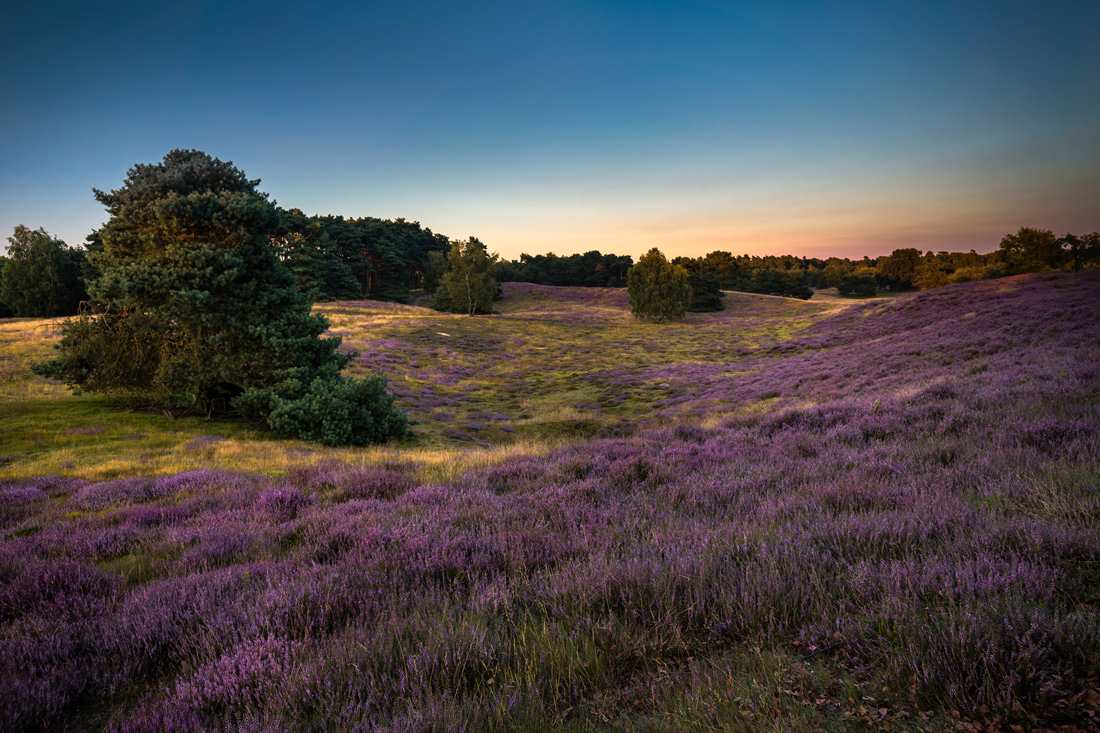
[788, 515]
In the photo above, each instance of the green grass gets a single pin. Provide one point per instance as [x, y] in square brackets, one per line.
[541, 362]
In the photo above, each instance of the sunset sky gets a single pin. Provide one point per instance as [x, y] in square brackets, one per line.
[810, 128]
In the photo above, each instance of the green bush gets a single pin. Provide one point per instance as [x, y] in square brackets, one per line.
[340, 411]
[104, 350]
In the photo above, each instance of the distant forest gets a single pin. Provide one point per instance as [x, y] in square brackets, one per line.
[1028, 250]
[337, 258]
[344, 259]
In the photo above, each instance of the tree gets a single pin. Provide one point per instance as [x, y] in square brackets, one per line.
[787, 283]
[1031, 250]
[1082, 251]
[5, 311]
[706, 294]
[194, 307]
[722, 265]
[42, 276]
[860, 283]
[434, 271]
[834, 270]
[930, 272]
[898, 270]
[468, 287]
[304, 260]
[658, 289]
[1090, 249]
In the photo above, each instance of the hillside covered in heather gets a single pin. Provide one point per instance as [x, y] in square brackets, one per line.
[785, 515]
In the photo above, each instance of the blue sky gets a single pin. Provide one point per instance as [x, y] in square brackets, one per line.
[812, 128]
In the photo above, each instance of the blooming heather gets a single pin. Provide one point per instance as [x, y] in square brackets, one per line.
[903, 495]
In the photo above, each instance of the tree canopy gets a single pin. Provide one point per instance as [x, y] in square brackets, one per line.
[706, 293]
[195, 309]
[1031, 250]
[658, 289]
[339, 258]
[1081, 251]
[41, 276]
[468, 286]
[591, 269]
[898, 270]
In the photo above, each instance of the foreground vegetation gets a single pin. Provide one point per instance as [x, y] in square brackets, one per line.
[783, 515]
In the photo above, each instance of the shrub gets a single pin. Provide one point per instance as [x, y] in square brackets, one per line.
[341, 412]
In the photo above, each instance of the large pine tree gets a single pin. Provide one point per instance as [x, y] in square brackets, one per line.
[196, 308]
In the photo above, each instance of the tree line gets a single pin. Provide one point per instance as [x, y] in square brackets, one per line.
[331, 258]
[338, 258]
[334, 258]
[1027, 250]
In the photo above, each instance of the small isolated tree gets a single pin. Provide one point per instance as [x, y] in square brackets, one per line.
[657, 288]
[42, 275]
[195, 308]
[469, 286]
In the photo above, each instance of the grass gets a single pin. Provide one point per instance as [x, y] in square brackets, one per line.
[479, 389]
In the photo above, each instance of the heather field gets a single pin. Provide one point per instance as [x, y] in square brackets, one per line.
[838, 515]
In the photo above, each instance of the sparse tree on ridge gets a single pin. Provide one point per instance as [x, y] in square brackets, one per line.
[658, 289]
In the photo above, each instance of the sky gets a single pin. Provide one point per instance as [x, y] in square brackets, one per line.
[813, 128]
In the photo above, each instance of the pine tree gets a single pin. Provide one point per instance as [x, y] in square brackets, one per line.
[196, 308]
[706, 293]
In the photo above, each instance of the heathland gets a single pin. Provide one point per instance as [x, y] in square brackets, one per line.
[785, 515]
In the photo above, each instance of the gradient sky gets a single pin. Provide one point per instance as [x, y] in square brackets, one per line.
[810, 128]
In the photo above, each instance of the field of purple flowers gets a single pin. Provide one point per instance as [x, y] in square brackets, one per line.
[887, 519]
